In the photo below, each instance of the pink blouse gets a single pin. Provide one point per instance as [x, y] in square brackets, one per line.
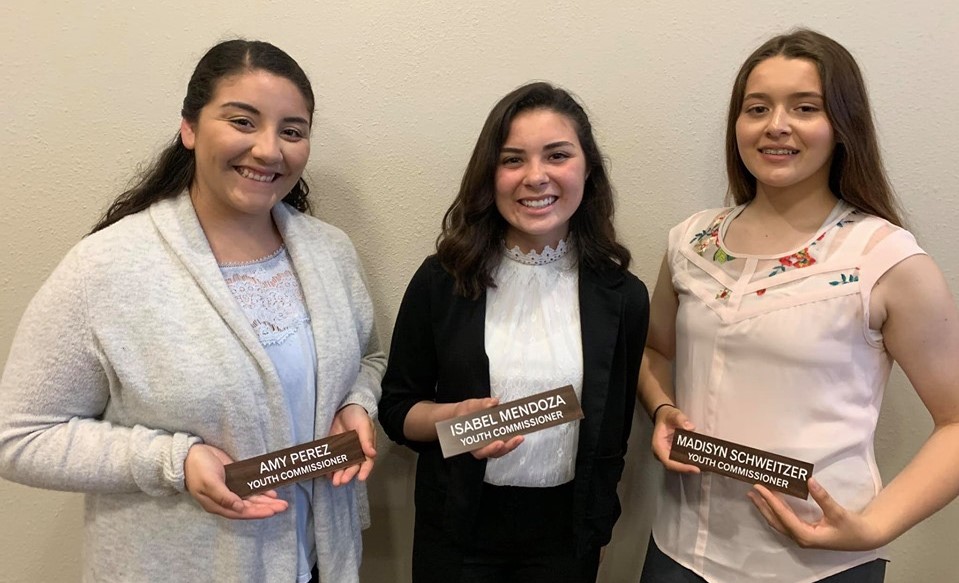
[775, 352]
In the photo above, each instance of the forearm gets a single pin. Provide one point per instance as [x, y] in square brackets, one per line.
[925, 485]
[90, 455]
[655, 381]
[367, 389]
[420, 423]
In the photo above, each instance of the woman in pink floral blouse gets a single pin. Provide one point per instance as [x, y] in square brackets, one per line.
[781, 317]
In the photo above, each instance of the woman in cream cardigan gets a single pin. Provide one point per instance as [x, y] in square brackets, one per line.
[205, 319]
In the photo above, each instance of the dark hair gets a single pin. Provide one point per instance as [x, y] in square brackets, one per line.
[173, 169]
[857, 174]
[470, 243]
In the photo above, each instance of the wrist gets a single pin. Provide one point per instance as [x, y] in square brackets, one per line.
[658, 408]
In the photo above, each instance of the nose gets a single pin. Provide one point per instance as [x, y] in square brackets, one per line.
[536, 175]
[778, 122]
[266, 148]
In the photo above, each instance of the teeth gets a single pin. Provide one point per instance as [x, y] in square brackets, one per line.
[247, 173]
[779, 151]
[538, 204]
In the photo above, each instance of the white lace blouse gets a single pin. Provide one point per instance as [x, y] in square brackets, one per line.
[534, 344]
[269, 293]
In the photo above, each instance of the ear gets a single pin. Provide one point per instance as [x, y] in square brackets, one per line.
[187, 134]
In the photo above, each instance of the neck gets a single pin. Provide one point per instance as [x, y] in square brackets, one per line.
[236, 238]
[796, 206]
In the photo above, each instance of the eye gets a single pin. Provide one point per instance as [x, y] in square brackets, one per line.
[242, 123]
[293, 134]
[756, 109]
[808, 108]
[559, 156]
[511, 161]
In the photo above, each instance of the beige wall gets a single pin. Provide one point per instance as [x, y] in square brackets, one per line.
[88, 91]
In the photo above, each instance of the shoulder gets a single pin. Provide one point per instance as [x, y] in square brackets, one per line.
[886, 245]
[131, 242]
[431, 275]
[620, 280]
[698, 225]
[306, 226]
[635, 289]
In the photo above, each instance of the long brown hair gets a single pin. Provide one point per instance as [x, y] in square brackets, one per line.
[857, 174]
[173, 169]
[470, 243]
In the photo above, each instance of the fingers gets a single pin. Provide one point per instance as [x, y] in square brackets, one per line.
[356, 418]
[204, 478]
[763, 506]
[674, 418]
[831, 509]
[342, 477]
[473, 405]
[498, 448]
[231, 506]
[678, 467]
[662, 441]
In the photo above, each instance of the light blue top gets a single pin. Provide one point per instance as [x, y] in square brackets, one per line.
[269, 294]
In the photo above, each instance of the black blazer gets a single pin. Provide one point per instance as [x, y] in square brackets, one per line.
[438, 354]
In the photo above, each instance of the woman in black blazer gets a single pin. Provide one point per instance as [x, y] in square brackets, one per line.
[528, 291]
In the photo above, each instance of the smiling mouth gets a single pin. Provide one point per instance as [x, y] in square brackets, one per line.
[778, 151]
[538, 203]
[256, 176]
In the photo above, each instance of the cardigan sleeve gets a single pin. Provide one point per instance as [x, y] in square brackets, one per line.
[54, 389]
[366, 390]
[412, 370]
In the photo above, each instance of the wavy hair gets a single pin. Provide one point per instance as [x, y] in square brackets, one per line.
[470, 244]
[857, 174]
[174, 168]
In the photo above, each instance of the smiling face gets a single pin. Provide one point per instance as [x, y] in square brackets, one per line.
[783, 134]
[539, 179]
[251, 143]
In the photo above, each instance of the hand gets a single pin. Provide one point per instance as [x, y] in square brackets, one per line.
[472, 406]
[668, 421]
[205, 480]
[497, 448]
[838, 529]
[354, 417]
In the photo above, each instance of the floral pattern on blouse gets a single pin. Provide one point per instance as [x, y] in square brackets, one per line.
[708, 238]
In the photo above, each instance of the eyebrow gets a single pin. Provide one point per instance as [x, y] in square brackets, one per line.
[550, 146]
[249, 108]
[800, 94]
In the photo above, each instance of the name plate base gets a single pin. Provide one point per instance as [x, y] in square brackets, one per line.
[519, 417]
[741, 462]
[294, 464]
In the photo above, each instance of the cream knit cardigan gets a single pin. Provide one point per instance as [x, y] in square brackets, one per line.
[133, 350]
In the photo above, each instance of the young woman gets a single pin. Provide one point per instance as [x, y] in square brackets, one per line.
[528, 291]
[782, 316]
[205, 319]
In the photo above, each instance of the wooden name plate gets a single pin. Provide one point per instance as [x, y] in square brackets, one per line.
[519, 417]
[294, 464]
[747, 464]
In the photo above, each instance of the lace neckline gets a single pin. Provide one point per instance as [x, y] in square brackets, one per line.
[549, 255]
[273, 255]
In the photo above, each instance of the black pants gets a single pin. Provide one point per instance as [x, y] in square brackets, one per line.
[522, 535]
[660, 568]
